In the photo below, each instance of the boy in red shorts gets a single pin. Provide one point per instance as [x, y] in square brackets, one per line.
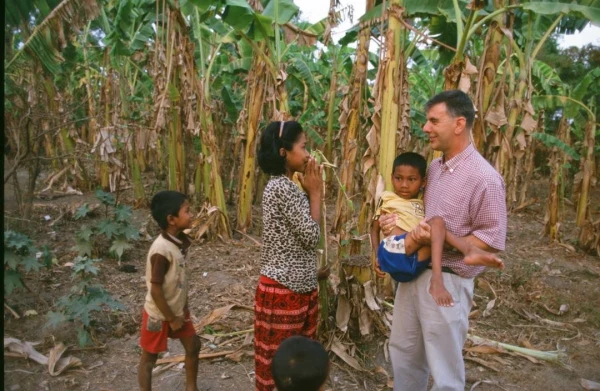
[166, 314]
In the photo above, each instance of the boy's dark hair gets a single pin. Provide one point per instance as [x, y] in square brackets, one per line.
[269, 159]
[165, 203]
[300, 364]
[411, 159]
[458, 104]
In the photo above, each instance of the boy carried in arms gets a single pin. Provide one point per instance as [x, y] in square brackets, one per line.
[393, 255]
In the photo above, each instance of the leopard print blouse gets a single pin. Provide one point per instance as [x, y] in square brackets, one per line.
[290, 236]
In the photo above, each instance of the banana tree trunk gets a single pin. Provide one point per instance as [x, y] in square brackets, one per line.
[557, 161]
[587, 168]
[255, 97]
[488, 69]
[330, 115]
[349, 128]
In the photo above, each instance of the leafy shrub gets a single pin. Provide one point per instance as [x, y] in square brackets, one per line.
[116, 227]
[21, 255]
[84, 300]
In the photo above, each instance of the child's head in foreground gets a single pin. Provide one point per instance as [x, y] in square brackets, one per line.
[300, 364]
[171, 209]
[409, 175]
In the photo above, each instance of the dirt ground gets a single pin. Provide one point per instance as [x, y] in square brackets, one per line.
[538, 280]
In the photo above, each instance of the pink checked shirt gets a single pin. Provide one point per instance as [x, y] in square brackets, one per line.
[468, 193]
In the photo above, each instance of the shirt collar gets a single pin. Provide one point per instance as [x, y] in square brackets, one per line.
[181, 241]
[453, 163]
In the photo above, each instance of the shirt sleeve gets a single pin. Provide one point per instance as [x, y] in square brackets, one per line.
[488, 213]
[160, 266]
[295, 208]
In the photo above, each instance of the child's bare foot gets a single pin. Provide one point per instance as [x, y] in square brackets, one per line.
[440, 295]
[477, 257]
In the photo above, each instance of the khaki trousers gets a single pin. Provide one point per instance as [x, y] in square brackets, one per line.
[427, 338]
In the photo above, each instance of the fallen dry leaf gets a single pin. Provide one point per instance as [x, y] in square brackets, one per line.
[483, 363]
[338, 348]
[55, 362]
[236, 356]
[58, 364]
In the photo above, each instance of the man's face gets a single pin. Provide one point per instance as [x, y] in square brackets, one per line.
[440, 127]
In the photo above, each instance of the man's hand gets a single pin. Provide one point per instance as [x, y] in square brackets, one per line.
[378, 271]
[422, 233]
[387, 222]
[176, 323]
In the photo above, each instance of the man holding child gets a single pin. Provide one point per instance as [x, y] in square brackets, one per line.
[469, 195]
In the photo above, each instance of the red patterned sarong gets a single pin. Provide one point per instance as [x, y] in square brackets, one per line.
[279, 313]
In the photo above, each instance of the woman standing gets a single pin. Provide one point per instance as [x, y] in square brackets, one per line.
[286, 301]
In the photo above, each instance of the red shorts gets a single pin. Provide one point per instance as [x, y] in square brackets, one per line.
[155, 333]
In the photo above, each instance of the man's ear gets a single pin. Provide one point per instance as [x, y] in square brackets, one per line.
[461, 125]
[424, 183]
[282, 152]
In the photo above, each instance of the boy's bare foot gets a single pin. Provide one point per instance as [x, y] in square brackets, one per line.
[440, 295]
[477, 257]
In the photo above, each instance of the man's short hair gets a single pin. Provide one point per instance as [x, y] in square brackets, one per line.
[165, 203]
[411, 159]
[458, 104]
[300, 364]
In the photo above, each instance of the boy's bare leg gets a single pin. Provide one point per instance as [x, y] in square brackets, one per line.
[474, 256]
[192, 349]
[437, 289]
[147, 362]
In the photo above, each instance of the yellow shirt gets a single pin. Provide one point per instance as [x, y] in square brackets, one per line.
[409, 212]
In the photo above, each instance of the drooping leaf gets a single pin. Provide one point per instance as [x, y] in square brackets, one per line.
[238, 14]
[12, 280]
[553, 8]
[286, 9]
[304, 72]
[11, 259]
[261, 28]
[547, 77]
[552, 141]
[83, 247]
[119, 246]
[230, 105]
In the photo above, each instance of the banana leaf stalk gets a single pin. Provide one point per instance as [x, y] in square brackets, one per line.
[557, 356]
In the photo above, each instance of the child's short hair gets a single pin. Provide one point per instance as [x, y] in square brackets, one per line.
[165, 203]
[273, 138]
[412, 159]
[300, 364]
